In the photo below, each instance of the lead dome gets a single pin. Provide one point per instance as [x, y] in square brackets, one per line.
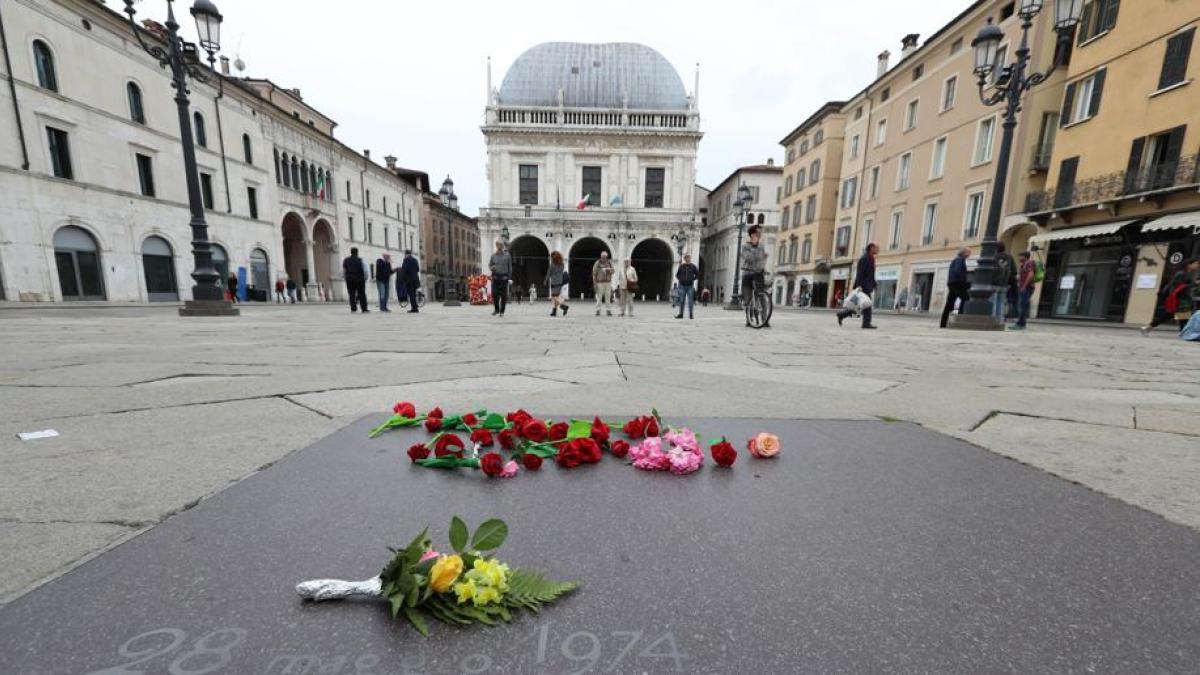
[610, 75]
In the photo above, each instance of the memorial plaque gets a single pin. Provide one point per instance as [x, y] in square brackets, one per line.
[864, 547]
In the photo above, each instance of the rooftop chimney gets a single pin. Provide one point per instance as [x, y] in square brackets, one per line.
[367, 153]
[296, 92]
[884, 57]
[910, 45]
[224, 65]
[770, 161]
[391, 161]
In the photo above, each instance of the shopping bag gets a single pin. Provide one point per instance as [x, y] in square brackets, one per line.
[857, 301]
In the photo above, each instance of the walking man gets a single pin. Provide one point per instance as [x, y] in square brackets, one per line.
[410, 271]
[355, 274]
[864, 280]
[957, 284]
[383, 279]
[686, 275]
[627, 285]
[291, 290]
[500, 266]
[602, 276]
[1174, 296]
[1026, 280]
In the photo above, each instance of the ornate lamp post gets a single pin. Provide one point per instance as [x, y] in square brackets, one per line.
[1010, 84]
[744, 197]
[681, 241]
[208, 296]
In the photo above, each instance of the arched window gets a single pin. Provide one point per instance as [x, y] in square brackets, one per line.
[80, 276]
[201, 134]
[287, 174]
[136, 112]
[246, 150]
[158, 264]
[304, 176]
[44, 60]
[260, 269]
[220, 261]
[761, 218]
[278, 175]
[295, 173]
[322, 188]
[312, 174]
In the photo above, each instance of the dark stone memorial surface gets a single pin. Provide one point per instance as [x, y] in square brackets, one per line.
[865, 547]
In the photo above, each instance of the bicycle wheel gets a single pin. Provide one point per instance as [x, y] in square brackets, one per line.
[758, 310]
[768, 307]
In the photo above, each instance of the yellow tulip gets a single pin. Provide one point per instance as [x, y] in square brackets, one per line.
[445, 572]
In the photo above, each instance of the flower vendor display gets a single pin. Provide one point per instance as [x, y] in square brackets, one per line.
[465, 587]
[656, 445]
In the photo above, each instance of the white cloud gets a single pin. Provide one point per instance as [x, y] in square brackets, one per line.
[408, 78]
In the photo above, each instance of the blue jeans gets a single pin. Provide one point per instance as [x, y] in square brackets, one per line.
[1025, 297]
[384, 291]
[998, 304]
[687, 297]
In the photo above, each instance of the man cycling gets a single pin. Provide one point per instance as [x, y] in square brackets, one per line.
[754, 265]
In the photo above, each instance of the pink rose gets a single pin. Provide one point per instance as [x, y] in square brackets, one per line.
[764, 445]
[684, 461]
[429, 554]
[510, 469]
[649, 456]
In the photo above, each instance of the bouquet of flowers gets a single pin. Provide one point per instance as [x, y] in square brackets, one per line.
[466, 587]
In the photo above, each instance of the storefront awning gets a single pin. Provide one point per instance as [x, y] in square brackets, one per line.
[1079, 232]
[1175, 221]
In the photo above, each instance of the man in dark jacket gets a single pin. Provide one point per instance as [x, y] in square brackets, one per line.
[356, 281]
[864, 279]
[957, 284]
[410, 270]
[383, 277]
[686, 275]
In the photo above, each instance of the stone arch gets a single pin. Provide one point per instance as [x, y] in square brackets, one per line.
[655, 263]
[324, 256]
[295, 260]
[583, 255]
[531, 260]
[158, 269]
[80, 267]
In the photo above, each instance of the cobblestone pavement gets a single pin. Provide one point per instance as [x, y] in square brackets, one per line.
[157, 412]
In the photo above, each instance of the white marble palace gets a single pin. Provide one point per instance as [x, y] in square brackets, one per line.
[590, 148]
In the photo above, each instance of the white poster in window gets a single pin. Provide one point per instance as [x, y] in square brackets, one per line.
[1147, 281]
[1067, 282]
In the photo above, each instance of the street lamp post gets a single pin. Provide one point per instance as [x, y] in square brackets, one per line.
[1010, 84]
[208, 296]
[744, 197]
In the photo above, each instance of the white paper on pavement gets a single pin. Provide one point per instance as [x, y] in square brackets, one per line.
[34, 435]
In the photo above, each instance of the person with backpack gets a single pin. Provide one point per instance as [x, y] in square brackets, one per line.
[686, 275]
[1176, 297]
[1026, 283]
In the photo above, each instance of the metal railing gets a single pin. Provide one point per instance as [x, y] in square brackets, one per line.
[1039, 160]
[1117, 185]
[592, 213]
[587, 117]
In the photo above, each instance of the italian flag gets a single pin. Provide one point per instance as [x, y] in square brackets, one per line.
[320, 187]
[583, 203]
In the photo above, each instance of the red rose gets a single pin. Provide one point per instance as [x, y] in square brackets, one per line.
[506, 439]
[589, 450]
[492, 464]
[651, 426]
[433, 424]
[436, 412]
[405, 409]
[619, 448]
[558, 431]
[483, 437]
[568, 456]
[635, 428]
[418, 451]
[518, 417]
[531, 461]
[600, 431]
[535, 430]
[448, 444]
[723, 453]
[470, 420]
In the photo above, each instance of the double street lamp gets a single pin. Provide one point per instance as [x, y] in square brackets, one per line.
[208, 295]
[740, 205]
[1010, 84]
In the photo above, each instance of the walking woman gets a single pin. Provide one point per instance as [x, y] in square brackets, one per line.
[556, 277]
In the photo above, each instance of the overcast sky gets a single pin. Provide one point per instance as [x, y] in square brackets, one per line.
[408, 78]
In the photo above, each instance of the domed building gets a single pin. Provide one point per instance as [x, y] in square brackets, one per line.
[592, 148]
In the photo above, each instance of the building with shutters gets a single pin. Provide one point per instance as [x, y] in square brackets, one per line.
[93, 202]
[591, 148]
[1122, 210]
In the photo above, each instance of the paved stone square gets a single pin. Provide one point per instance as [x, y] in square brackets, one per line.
[157, 412]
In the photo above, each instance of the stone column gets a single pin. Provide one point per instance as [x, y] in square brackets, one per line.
[312, 288]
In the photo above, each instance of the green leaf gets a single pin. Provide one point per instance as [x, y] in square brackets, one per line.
[458, 534]
[543, 450]
[414, 617]
[397, 603]
[490, 535]
[579, 429]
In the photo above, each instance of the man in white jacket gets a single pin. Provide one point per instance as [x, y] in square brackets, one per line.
[627, 285]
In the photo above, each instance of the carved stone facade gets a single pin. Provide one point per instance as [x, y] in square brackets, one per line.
[567, 173]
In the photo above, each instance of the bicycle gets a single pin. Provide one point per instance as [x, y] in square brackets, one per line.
[759, 307]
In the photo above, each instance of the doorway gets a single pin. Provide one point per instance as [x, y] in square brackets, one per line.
[530, 263]
[77, 258]
[584, 255]
[923, 288]
[158, 266]
[653, 261]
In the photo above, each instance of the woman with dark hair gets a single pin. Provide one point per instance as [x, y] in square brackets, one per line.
[556, 278]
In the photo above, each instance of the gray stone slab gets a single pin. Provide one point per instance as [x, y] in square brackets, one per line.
[866, 547]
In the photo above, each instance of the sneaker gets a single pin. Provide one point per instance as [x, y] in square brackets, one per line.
[554, 312]
[841, 318]
[565, 308]
[1016, 327]
[1145, 331]
[691, 317]
[870, 327]
[678, 316]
